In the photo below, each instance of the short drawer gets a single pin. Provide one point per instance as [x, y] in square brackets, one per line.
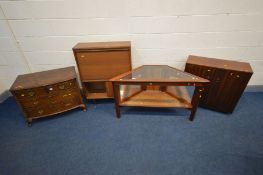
[68, 103]
[30, 94]
[61, 88]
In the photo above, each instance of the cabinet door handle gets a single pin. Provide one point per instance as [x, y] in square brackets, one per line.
[82, 56]
[218, 80]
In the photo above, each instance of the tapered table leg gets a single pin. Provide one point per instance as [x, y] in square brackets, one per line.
[195, 101]
[116, 90]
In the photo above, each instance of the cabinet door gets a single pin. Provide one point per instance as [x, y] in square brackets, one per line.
[231, 90]
[215, 88]
[95, 65]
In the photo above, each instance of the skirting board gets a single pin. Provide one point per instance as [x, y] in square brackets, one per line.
[250, 88]
[4, 96]
[254, 88]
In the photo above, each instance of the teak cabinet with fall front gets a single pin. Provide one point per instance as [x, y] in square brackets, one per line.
[98, 62]
[228, 80]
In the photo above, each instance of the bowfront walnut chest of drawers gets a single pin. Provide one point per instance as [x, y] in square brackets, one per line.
[46, 93]
[98, 62]
[228, 80]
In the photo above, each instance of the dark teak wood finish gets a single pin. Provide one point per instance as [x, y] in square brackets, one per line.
[228, 81]
[46, 93]
[98, 62]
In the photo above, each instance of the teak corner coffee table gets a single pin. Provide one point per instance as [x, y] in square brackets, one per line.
[157, 86]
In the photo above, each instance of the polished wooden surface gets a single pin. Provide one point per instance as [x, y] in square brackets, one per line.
[228, 81]
[156, 98]
[47, 77]
[99, 62]
[102, 45]
[41, 98]
[220, 63]
[157, 86]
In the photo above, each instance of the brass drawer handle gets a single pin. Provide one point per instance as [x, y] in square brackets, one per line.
[49, 89]
[82, 56]
[68, 104]
[238, 76]
[35, 102]
[62, 87]
[22, 95]
[65, 95]
[31, 94]
[40, 111]
[208, 70]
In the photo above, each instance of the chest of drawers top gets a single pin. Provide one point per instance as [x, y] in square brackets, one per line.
[220, 63]
[38, 79]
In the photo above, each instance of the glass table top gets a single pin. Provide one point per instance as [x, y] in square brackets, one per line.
[162, 73]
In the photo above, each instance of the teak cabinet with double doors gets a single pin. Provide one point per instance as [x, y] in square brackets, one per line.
[228, 80]
[98, 62]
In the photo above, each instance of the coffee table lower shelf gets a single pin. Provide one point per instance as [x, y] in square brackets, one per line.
[156, 98]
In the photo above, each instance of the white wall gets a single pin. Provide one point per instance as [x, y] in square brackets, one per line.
[161, 31]
[11, 58]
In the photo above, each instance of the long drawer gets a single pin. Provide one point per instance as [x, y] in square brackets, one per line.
[53, 105]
